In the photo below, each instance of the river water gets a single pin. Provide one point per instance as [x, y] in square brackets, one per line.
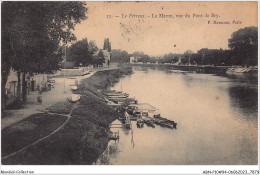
[216, 116]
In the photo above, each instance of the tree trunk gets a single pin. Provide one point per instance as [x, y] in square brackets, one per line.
[24, 88]
[3, 95]
[18, 85]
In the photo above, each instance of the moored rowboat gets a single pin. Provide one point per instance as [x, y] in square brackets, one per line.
[75, 97]
[74, 88]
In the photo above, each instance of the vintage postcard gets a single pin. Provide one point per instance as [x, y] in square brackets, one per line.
[129, 83]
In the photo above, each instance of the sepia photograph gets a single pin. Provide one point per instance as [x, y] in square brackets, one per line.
[129, 83]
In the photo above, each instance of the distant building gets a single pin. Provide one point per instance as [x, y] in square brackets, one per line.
[179, 61]
[132, 60]
[137, 58]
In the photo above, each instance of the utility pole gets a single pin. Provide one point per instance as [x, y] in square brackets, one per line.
[65, 67]
[66, 39]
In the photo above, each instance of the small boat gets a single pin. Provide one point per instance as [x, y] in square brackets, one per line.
[74, 88]
[118, 96]
[163, 121]
[51, 81]
[114, 93]
[118, 100]
[75, 97]
[237, 70]
[86, 72]
[148, 122]
[113, 136]
[139, 121]
[110, 91]
[130, 109]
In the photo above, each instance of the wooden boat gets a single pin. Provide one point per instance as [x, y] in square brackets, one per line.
[115, 93]
[74, 88]
[117, 96]
[117, 100]
[113, 136]
[148, 122]
[130, 109]
[127, 121]
[164, 122]
[86, 72]
[164, 119]
[110, 92]
[139, 121]
[237, 70]
[75, 97]
[51, 81]
[168, 125]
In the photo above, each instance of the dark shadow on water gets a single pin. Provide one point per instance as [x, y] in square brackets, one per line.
[244, 98]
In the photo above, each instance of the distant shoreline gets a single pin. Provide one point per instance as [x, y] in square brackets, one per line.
[199, 68]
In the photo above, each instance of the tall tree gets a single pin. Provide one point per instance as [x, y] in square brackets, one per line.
[98, 59]
[79, 53]
[138, 53]
[32, 32]
[186, 57]
[92, 47]
[107, 45]
[101, 58]
[244, 45]
[144, 59]
[119, 56]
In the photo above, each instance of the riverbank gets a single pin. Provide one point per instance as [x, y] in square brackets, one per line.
[200, 68]
[81, 139]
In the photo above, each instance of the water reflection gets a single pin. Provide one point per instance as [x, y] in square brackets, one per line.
[216, 116]
[244, 99]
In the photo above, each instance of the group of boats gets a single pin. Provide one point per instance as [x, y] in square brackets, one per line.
[117, 98]
[238, 70]
[150, 117]
[142, 113]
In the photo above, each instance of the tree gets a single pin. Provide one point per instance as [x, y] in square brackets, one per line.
[107, 45]
[144, 59]
[170, 58]
[79, 53]
[186, 57]
[32, 32]
[138, 53]
[153, 59]
[92, 47]
[120, 56]
[244, 45]
[99, 59]
[201, 56]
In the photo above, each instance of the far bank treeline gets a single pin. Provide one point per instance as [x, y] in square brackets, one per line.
[85, 53]
[243, 51]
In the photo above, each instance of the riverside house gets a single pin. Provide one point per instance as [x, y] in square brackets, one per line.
[37, 82]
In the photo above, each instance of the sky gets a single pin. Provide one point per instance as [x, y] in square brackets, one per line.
[134, 27]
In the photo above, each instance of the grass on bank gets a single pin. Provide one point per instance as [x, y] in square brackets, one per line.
[84, 138]
[29, 130]
[80, 141]
[61, 107]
